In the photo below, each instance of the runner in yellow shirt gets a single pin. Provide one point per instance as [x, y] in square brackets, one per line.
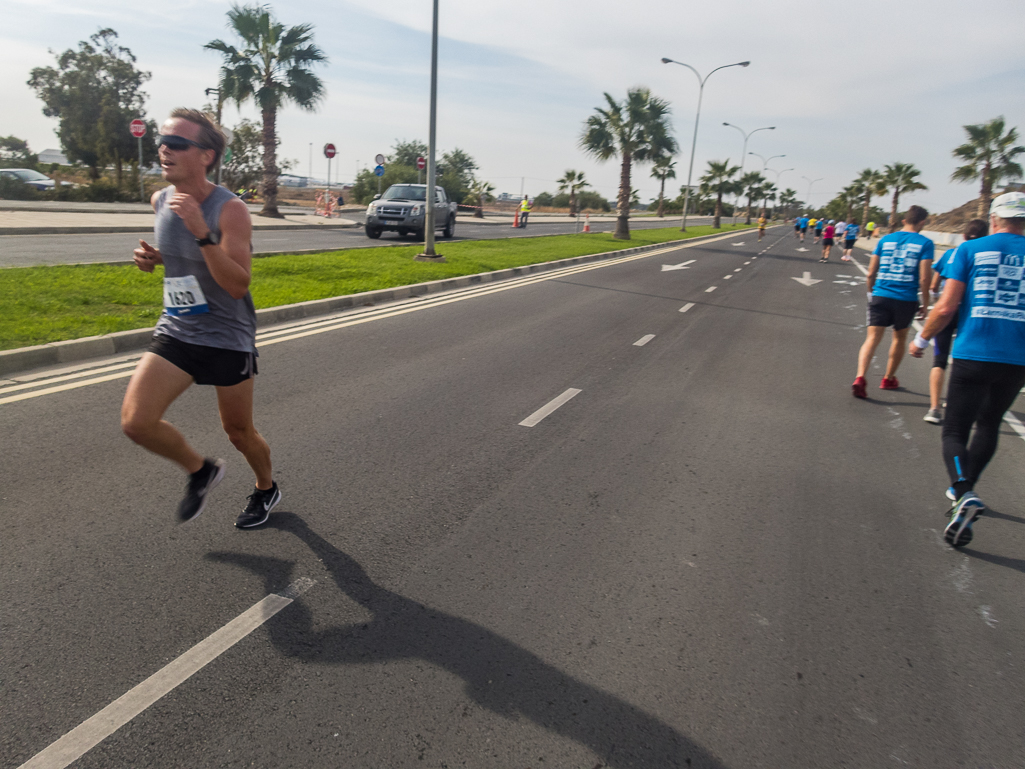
[761, 227]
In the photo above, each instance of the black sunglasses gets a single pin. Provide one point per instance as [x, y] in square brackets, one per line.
[178, 143]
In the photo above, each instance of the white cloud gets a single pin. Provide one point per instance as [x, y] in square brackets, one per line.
[847, 86]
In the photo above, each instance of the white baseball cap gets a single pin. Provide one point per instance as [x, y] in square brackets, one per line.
[1010, 205]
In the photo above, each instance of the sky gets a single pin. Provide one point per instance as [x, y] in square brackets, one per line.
[847, 86]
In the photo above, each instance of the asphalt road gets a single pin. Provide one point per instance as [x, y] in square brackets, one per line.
[29, 250]
[711, 556]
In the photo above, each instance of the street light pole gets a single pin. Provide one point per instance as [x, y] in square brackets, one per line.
[778, 174]
[429, 254]
[743, 157]
[807, 202]
[210, 91]
[697, 117]
[765, 163]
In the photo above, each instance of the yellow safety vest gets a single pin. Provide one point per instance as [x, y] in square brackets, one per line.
[524, 206]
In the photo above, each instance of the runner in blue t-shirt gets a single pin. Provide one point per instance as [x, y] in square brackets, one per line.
[986, 287]
[901, 263]
[803, 223]
[850, 236]
[976, 228]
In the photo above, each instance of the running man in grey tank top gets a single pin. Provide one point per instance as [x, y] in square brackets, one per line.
[207, 332]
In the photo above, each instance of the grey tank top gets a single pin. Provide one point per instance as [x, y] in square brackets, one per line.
[226, 323]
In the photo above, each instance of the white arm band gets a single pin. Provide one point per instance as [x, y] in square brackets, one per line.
[920, 342]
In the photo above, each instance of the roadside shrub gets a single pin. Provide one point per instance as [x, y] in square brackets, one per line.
[14, 189]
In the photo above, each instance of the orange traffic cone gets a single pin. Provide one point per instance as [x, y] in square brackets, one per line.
[516, 218]
[587, 223]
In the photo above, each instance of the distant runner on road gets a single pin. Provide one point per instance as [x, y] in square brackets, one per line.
[827, 242]
[976, 228]
[850, 237]
[761, 227]
[901, 263]
[870, 230]
[804, 227]
[819, 225]
[207, 332]
[984, 280]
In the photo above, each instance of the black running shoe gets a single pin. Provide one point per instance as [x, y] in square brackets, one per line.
[258, 508]
[200, 484]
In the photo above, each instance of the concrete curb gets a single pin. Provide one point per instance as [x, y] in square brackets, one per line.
[75, 350]
[110, 230]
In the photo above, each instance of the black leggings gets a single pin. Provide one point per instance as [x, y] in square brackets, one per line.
[980, 393]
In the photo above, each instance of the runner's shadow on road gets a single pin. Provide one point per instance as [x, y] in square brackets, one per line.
[499, 675]
[1018, 564]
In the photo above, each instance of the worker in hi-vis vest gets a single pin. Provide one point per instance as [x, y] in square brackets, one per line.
[524, 211]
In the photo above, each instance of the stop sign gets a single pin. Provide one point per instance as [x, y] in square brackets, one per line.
[329, 150]
[421, 163]
[138, 128]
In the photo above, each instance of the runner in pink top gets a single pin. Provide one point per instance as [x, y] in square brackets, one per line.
[827, 241]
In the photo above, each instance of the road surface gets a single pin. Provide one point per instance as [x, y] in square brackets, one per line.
[703, 553]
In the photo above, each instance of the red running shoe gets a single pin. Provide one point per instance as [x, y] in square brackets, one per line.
[890, 383]
[858, 388]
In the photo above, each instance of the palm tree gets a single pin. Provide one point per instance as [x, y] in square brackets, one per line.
[751, 185]
[901, 178]
[787, 199]
[572, 182]
[272, 67]
[480, 189]
[636, 129]
[719, 179]
[851, 194]
[664, 168]
[873, 184]
[990, 157]
[768, 194]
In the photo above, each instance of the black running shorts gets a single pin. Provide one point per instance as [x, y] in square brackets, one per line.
[827, 242]
[206, 365]
[848, 244]
[885, 311]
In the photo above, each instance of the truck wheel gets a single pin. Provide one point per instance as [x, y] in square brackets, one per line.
[403, 232]
[450, 227]
[374, 232]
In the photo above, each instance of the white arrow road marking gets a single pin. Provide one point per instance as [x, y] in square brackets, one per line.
[807, 280]
[845, 282]
[738, 244]
[802, 249]
[680, 266]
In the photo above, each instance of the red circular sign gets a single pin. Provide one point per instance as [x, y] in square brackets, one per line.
[421, 163]
[138, 128]
[329, 150]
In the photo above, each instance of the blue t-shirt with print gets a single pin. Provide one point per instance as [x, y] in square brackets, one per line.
[804, 222]
[991, 324]
[851, 233]
[819, 225]
[899, 256]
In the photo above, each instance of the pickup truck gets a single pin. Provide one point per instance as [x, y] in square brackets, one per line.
[403, 208]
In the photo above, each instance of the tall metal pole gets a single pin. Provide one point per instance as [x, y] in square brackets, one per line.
[142, 189]
[432, 177]
[807, 202]
[220, 103]
[743, 157]
[697, 117]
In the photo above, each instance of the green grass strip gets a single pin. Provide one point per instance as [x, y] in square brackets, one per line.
[55, 303]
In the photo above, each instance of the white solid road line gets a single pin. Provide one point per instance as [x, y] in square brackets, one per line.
[644, 340]
[91, 733]
[708, 290]
[322, 325]
[686, 306]
[551, 406]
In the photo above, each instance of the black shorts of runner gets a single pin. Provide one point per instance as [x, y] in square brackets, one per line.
[206, 365]
[797, 228]
[804, 229]
[885, 311]
[941, 344]
[827, 242]
[848, 244]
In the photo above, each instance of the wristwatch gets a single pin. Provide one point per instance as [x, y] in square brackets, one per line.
[208, 240]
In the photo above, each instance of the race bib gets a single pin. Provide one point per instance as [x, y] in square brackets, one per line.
[183, 296]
